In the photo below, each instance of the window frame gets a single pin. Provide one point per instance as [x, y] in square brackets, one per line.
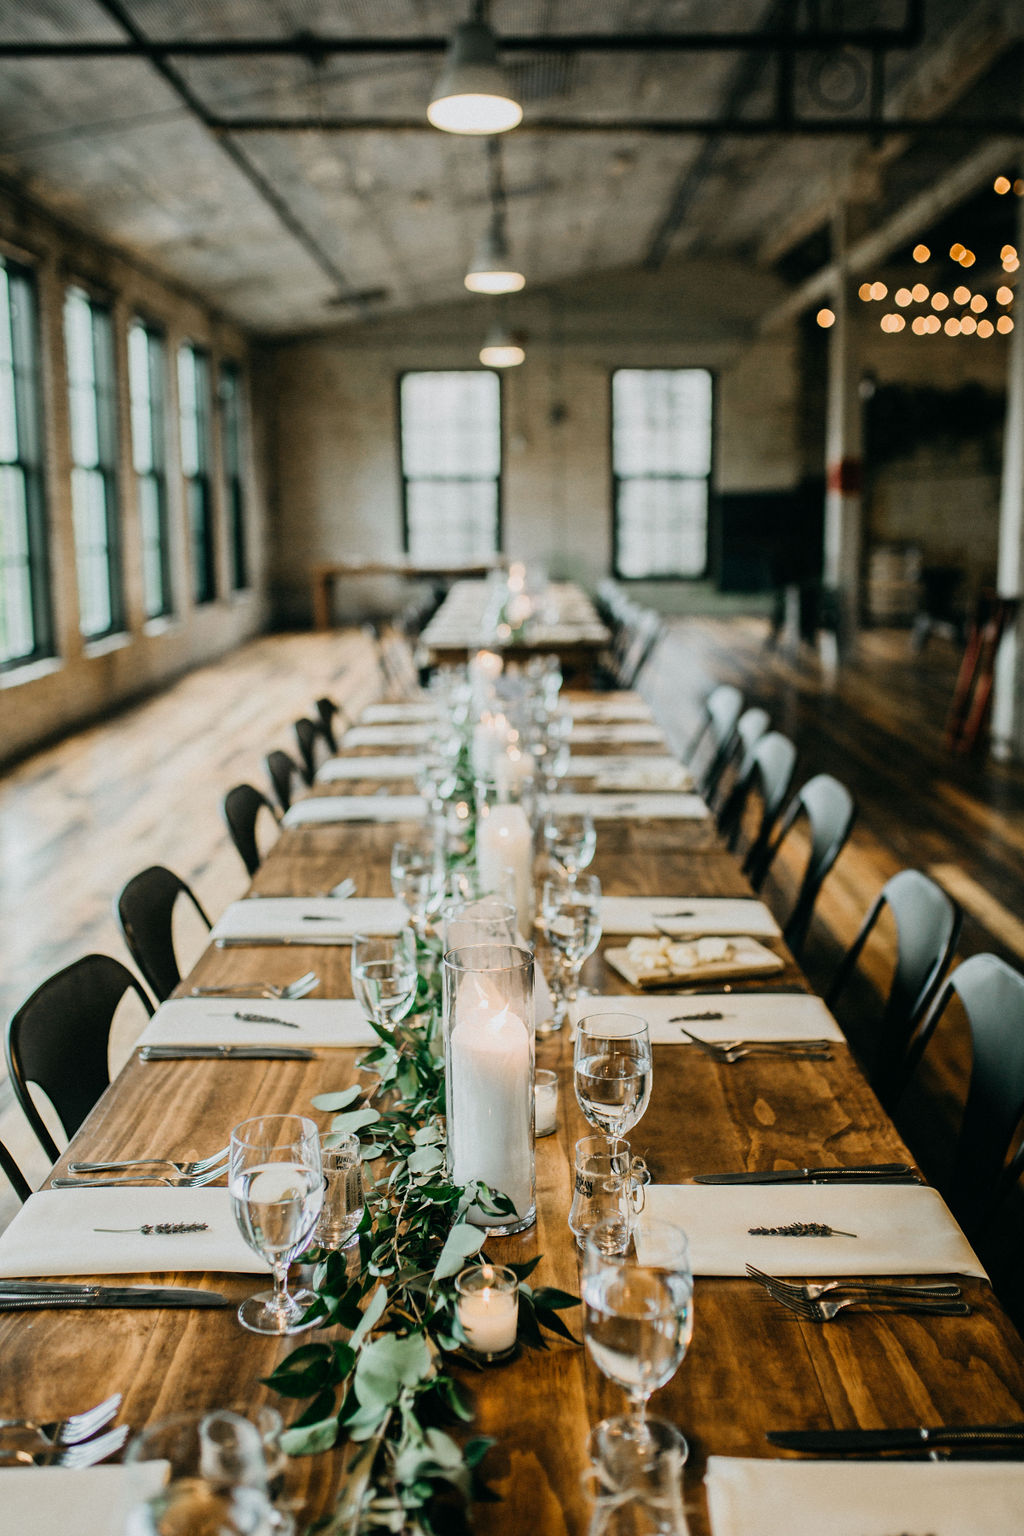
[28, 397]
[708, 479]
[499, 478]
[233, 423]
[157, 399]
[198, 485]
[103, 390]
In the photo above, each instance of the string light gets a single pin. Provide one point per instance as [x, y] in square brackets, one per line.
[932, 324]
[918, 326]
[1011, 264]
[879, 291]
[940, 301]
[864, 292]
[967, 259]
[956, 251]
[961, 295]
[1001, 185]
[979, 303]
[903, 297]
[968, 325]
[919, 293]
[986, 329]
[952, 326]
[1008, 253]
[1004, 295]
[1004, 325]
[825, 318]
[921, 253]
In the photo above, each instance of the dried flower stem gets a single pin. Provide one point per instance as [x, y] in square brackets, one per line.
[162, 1228]
[800, 1229]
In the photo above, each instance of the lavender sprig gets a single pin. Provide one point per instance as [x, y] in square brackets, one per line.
[162, 1228]
[800, 1229]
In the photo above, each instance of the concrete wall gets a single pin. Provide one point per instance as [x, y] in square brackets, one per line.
[337, 485]
[86, 679]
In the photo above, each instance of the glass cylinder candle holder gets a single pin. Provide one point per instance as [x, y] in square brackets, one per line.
[483, 920]
[504, 841]
[545, 1092]
[488, 1309]
[489, 1061]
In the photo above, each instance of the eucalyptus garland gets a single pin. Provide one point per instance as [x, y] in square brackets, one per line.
[387, 1386]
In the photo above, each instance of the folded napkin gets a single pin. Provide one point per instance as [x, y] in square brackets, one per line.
[38, 1501]
[836, 1498]
[628, 807]
[687, 916]
[400, 713]
[609, 709]
[337, 1021]
[631, 770]
[320, 809]
[745, 1015]
[616, 731]
[55, 1233]
[338, 768]
[308, 919]
[414, 734]
[666, 962]
[902, 1229]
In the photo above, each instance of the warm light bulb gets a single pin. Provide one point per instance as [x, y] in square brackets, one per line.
[1001, 185]
[918, 326]
[879, 291]
[886, 322]
[919, 293]
[1004, 325]
[979, 303]
[956, 251]
[903, 297]
[471, 96]
[474, 114]
[940, 301]
[968, 325]
[932, 324]
[494, 282]
[494, 356]
[864, 292]
[952, 326]
[1011, 264]
[921, 253]
[825, 318]
[1004, 295]
[900, 322]
[986, 329]
[1008, 253]
[967, 259]
[961, 295]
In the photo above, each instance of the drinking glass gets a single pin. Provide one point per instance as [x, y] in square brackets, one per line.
[201, 1473]
[414, 876]
[485, 920]
[637, 1323]
[277, 1188]
[613, 1070]
[570, 838]
[384, 975]
[342, 1209]
[607, 1191]
[571, 910]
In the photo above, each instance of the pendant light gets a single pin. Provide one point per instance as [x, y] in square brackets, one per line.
[501, 349]
[492, 270]
[472, 95]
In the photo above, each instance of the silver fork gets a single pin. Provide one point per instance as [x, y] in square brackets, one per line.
[73, 1428]
[189, 1181]
[735, 1050]
[87, 1454]
[813, 1290]
[290, 993]
[183, 1170]
[827, 1308]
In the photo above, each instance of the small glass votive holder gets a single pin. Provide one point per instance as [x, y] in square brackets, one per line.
[545, 1093]
[488, 1309]
[342, 1209]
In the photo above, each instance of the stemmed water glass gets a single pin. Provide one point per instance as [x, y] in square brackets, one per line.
[276, 1182]
[384, 975]
[571, 911]
[414, 877]
[613, 1070]
[637, 1323]
[570, 838]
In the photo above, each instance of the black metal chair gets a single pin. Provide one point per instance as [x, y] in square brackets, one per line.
[15, 1177]
[928, 923]
[145, 916]
[327, 710]
[750, 727]
[241, 808]
[284, 775]
[314, 747]
[722, 709]
[58, 1040]
[769, 774]
[992, 995]
[830, 812]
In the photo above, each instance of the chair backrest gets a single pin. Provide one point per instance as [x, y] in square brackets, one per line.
[326, 711]
[830, 811]
[283, 772]
[241, 807]
[772, 765]
[145, 912]
[58, 1040]
[992, 994]
[314, 747]
[750, 727]
[646, 634]
[15, 1177]
[928, 923]
[722, 709]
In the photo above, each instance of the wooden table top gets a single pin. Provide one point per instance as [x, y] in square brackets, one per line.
[751, 1367]
[566, 623]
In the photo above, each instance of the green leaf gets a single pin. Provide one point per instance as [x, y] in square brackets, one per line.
[371, 1316]
[309, 1439]
[425, 1160]
[355, 1120]
[462, 1243]
[333, 1101]
[551, 1300]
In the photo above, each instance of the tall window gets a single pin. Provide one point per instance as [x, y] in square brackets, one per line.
[93, 408]
[25, 632]
[451, 464]
[234, 473]
[146, 371]
[661, 464]
[194, 410]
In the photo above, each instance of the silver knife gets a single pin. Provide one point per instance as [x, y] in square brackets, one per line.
[225, 1053]
[916, 1438]
[884, 1172]
[33, 1296]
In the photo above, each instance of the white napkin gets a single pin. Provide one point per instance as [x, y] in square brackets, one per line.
[703, 915]
[41, 1501]
[745, 1015]
[628, 807]
[775, 1497]
[319, 809]
[398, 735]
[55, 1233]
[336, 1021]
[609, 709]
[338, 768]
[630, 770]
[902, 1229]
[401, 713]
[283, 919]
[615, 731]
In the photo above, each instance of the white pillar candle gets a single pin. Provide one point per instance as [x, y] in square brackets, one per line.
[490, 1106]
[489, 1315]
[490, 739]
[504, 841]
[545, 1090]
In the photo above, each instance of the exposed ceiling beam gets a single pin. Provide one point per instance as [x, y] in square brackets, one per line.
[736, 127]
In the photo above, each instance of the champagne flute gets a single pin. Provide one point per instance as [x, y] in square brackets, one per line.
[384, 975]
[570, 838]
[613, 1070]
[571, 909]
[637, 1323]
[276, 1183]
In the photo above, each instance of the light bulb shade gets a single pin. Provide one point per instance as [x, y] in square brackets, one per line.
[501, 349]
[491, 270]
[471, 95]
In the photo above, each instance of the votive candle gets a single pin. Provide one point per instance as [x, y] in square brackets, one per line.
[488, 1309]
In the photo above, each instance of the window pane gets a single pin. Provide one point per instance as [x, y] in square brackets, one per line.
[661, 454]
[662, 527]
[24, 585]
[146, 387]
[16, 626]
[194, 413]
[451, 463]
[93, 410]
[232, 449]
[138, 386]
[451, 519]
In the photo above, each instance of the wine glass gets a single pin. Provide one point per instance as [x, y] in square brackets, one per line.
[276, 1182]
[384, 975]
[613, 1070]
[570, 838]
[637, 1323]
[571, 910]
[414, 876]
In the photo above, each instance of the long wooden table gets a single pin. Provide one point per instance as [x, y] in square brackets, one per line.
[567, 625]
[752, 1366]
[327, 572]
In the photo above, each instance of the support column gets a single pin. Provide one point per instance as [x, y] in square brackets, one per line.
[843, 449]
[1008, 686]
